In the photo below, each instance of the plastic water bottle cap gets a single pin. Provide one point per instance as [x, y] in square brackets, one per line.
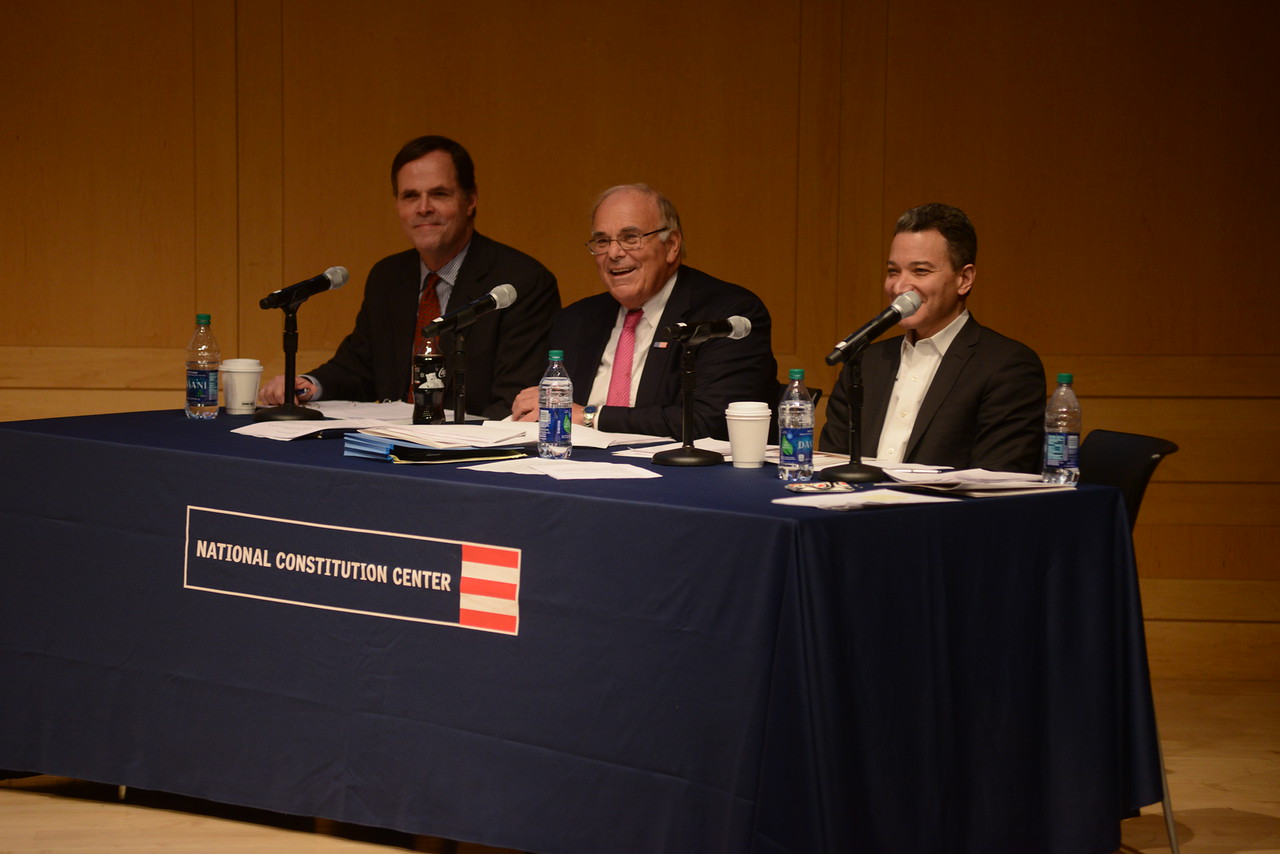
[202, 320]
[796, 373]
[1065, 378]
[555, 355]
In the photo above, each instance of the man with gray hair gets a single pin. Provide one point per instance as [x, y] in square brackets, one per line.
[626, 372]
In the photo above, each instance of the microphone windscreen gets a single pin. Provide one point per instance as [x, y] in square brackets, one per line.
[337, 277]
[741, 327]
[906, 304]
[503, 295]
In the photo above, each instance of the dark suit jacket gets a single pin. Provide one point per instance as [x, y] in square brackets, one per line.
[984, 408]
[505, 350]
[726, 370]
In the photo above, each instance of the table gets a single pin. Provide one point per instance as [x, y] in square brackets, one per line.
[665, 665]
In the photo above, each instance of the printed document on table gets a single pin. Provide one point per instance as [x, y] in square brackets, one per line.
[858, 499]
[567, 469]
[488, 435]
[583, 437]
[720, 446]
[394, 411]
[286, 431]
[978, 483]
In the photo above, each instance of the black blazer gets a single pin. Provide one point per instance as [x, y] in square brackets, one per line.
[726, 370]
[506, 350]
[984, 408]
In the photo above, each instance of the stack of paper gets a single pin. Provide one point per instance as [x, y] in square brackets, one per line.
[858, 499]
[397, 451]
[488, 435]
[976, 483]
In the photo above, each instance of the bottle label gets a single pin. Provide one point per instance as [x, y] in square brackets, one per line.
[202, 387]
[795, 446]
[554, 425]
[428, 389]
[1062, 450]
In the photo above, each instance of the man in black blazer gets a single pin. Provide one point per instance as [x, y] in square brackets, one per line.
[638, 247]
[951, 391]
[434, 183]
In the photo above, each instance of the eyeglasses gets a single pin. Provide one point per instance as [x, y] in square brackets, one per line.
[627, 240]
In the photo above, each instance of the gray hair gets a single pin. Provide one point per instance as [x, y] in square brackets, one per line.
[667, 210]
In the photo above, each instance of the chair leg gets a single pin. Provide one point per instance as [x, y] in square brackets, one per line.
[1166, 801]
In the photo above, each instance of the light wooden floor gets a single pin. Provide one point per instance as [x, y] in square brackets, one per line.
[1221, 741]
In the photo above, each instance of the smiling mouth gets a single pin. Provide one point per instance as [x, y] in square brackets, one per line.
[621, 271]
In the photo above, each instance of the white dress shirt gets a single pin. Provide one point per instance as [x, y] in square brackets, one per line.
[916, 369]
[646, 331]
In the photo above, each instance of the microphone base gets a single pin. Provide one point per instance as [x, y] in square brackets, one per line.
[288, 413]
[853, 473]
[688, 456]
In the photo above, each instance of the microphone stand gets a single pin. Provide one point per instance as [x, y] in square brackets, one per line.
[688, 455]
[459, 377]
[289, 411]
[854, 471]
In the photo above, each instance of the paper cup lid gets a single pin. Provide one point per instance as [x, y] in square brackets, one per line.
[748, 407]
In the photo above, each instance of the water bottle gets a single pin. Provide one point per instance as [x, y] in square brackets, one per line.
[795, 430]
[203, 360]
[1062, 435]
[555, 409]
[428, 383]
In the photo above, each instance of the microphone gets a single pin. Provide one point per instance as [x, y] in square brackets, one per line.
[704, 330]
[500, 297]
[331, 279]
[902, 307]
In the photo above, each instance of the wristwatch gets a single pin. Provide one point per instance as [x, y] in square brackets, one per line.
[589, 416]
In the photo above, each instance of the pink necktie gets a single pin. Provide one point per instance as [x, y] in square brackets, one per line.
[620, 380]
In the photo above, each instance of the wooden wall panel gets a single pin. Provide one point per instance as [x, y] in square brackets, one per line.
[1114, 157]
[96, 163]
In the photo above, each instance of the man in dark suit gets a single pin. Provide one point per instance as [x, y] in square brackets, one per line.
[434, 183]
[951, 391]
[638, 247]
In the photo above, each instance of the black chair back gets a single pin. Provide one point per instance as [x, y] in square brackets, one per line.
[1123, 460]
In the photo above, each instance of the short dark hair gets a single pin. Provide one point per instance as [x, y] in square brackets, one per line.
[424, 145]
[951, 223]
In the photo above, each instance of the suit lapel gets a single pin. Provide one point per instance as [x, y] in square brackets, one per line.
[584, 341]
[662, 361]
[949, 371]
[470, 279]
[879, 369]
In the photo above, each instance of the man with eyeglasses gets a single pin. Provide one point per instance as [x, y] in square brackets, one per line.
[626, 372]
[450, 264]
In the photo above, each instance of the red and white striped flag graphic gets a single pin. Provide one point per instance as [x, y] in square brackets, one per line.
[489, 589]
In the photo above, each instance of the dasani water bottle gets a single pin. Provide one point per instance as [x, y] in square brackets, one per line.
[1062, 423]
[795, 430]
[555, 409]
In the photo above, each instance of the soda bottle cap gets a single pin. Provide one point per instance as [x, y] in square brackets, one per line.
[555, 355]
[1065, 378]
[796, 373]
[202, 319]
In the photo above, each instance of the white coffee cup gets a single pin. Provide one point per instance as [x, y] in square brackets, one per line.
[240, 385]
[748, 432]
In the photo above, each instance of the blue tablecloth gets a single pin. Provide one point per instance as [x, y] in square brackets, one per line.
[674, 665]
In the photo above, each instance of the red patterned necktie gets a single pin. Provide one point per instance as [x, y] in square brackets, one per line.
[620, 379]
[428, 310]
